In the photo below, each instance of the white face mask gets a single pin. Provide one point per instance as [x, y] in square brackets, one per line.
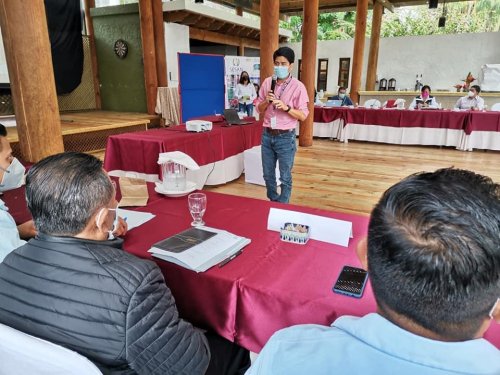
[111, 236]
[13, 176]
[471, 94]
[492, 311]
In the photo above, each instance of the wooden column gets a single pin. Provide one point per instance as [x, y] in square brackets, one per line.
[148, 53]
[371, 74]
[241, 49]
[161, 55]
[309, 43]
[359, 47]
[269, 36]
[93, 53]
[27, 51]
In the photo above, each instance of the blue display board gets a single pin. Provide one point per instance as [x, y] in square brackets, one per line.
[201, 84]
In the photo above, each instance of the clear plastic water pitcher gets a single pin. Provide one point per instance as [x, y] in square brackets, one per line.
[174, 176]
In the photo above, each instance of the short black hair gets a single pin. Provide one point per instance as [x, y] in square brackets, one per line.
[425, 87]
[341, 88]
[434, 250]
[286, 52]
[477, 88]
[63, 191]
[241, 76]
[3, 133]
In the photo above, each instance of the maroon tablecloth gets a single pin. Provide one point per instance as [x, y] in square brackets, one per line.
[15, 200]
[138, 151]
[272, 285]
[483, 121]
[329, 114]
[468, 121]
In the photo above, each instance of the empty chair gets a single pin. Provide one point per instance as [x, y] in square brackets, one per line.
[372, 103]
[21, 353]
[496, 107]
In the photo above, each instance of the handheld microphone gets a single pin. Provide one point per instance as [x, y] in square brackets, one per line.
[273, 85]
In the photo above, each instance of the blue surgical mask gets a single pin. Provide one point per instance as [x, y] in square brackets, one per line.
[342, 96]
[13, 176]
[281, 71]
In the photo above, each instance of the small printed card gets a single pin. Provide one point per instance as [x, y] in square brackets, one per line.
[326, 229]
[295, 233]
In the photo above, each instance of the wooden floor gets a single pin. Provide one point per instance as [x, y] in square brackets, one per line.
[351, 177]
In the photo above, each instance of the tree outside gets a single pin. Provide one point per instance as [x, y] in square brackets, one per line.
[461, 17]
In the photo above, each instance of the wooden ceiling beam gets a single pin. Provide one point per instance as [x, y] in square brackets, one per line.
[175, 17]
[205, 23]
[216, 25]
[210, 36]
[192, 19]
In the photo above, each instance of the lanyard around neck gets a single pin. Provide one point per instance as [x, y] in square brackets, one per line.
[283, 86]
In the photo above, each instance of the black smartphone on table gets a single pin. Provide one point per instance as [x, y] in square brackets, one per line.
[351, 281]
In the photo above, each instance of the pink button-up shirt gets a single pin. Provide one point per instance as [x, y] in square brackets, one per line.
[294, 95]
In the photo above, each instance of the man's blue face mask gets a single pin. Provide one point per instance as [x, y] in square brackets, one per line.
[281, 72]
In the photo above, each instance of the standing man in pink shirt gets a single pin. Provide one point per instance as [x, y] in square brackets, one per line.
[283, 101]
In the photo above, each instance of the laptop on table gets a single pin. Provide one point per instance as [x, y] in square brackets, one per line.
[333, 103]
[232, 118]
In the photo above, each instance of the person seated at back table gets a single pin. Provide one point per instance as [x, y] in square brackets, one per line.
[73, 285]
[424, 100]
[472, 101]
[341, 95]
[11, 177]
[433, 258]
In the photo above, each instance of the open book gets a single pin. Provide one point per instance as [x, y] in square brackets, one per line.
[199, 248]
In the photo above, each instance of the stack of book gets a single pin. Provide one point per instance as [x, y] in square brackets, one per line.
[199, 248]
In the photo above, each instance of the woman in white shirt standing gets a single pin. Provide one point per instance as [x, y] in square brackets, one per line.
[245, 92]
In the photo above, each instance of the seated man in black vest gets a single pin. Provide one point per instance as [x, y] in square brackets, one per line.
[424, 100]
[73, 285]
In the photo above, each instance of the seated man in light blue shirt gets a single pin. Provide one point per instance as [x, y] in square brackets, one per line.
[433, 256]
[11, 177]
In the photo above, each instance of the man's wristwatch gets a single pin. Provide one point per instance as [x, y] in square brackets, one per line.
[288, 109]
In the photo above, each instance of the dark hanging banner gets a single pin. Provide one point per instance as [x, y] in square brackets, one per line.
[65, 34]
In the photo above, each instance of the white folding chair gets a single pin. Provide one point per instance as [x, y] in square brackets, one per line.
[496, 107]
[372, 103]
[22, 354]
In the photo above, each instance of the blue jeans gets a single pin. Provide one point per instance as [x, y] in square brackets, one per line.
[282, 148]
[248, 108]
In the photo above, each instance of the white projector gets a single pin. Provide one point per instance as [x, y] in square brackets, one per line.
[198, 126]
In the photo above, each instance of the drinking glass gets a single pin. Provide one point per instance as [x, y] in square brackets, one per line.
[197, 203]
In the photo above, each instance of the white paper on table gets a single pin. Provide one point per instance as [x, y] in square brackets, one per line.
[322, 228]
[134, 218]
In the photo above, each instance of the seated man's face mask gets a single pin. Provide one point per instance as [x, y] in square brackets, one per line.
[13, 176]
[111, 236]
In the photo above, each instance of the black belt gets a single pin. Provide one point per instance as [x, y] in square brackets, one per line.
[277, 131]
